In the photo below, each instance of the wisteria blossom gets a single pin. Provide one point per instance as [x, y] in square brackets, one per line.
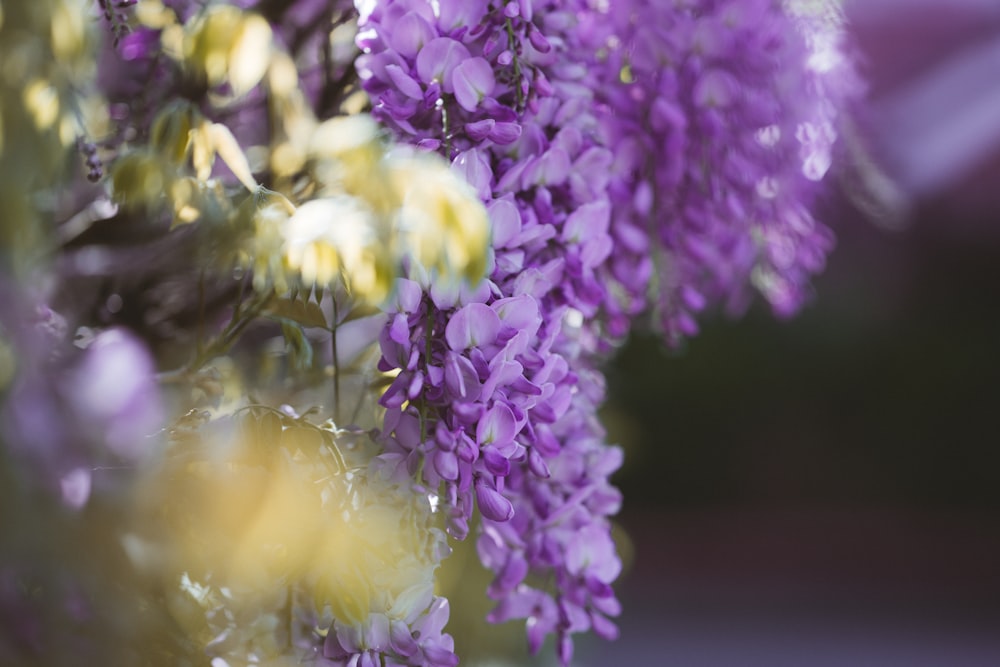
[330, 286]
[614, 147]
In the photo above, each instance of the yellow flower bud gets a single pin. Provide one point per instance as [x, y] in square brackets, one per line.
[139, 180]
[338, 236]
[170, 134]
[227, 44]
[441, 220]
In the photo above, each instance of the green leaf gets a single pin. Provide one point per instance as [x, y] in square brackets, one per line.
[300, 350]
[305, 313]
[359, 310]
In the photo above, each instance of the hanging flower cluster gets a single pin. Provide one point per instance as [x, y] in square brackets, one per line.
[444, 215]
[614, 146]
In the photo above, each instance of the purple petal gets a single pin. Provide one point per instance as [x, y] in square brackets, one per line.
[458, 527]
[537, 464]
[474, 167]
[603, 627]
[480, 129]
[565, 650]
[586, 221]
[461, 378]
[404, 82]
[505, 133]
[332, 647]
[401, 639]
[513, 572]
[551, 168]
[474, 325]
[496, 463]
[115, 387]
[439, 656]
[438, 60]
[473, 81]
[497, 427]
[348, 636]
[446, 464]
[432, 623]
[609, 605]
[716, 88]
[378, 632]
[138, 44]
[506, 221]
[502, 373]
[410, 34]
[399, 330]
[492, 504]
[75, 487]
[520, 312]
[538, 40]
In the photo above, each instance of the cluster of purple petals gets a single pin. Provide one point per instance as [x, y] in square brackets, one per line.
[614, 145]
[504, 91]
[494, 399]
[70, 414]
[728, 123]
[559, 533]
[385, 642]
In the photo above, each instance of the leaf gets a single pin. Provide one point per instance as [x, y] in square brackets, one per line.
[306, 313]
[359, 310]
[300, 351]
[229, 150]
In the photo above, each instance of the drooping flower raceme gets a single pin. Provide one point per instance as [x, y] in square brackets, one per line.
[487, 402]
[727, 109]
[601, 137]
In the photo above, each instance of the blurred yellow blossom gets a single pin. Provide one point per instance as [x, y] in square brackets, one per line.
[339, 236]
[257, 508]
[227, 44]
[441, 220]
[342, 206]
[45, 78]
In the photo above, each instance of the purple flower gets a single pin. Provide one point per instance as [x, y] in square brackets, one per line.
[66, 411]
[473, 81]
[382, 640]
[613, 147]
[744, 94]
[114, 387]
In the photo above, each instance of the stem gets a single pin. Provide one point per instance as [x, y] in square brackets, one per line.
[336, 361]
[428, 325]
[221, 343]
[512, 44]
[447, 131]
[200, 335]
[290, 616]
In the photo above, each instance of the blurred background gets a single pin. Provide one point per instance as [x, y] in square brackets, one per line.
[826, 491]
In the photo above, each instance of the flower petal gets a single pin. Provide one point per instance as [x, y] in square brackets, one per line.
[497, 427]
[438, 59]
[492, 504]
[473, 81]
[474, 325]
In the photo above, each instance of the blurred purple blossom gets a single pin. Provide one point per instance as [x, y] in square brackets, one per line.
[69, 413]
